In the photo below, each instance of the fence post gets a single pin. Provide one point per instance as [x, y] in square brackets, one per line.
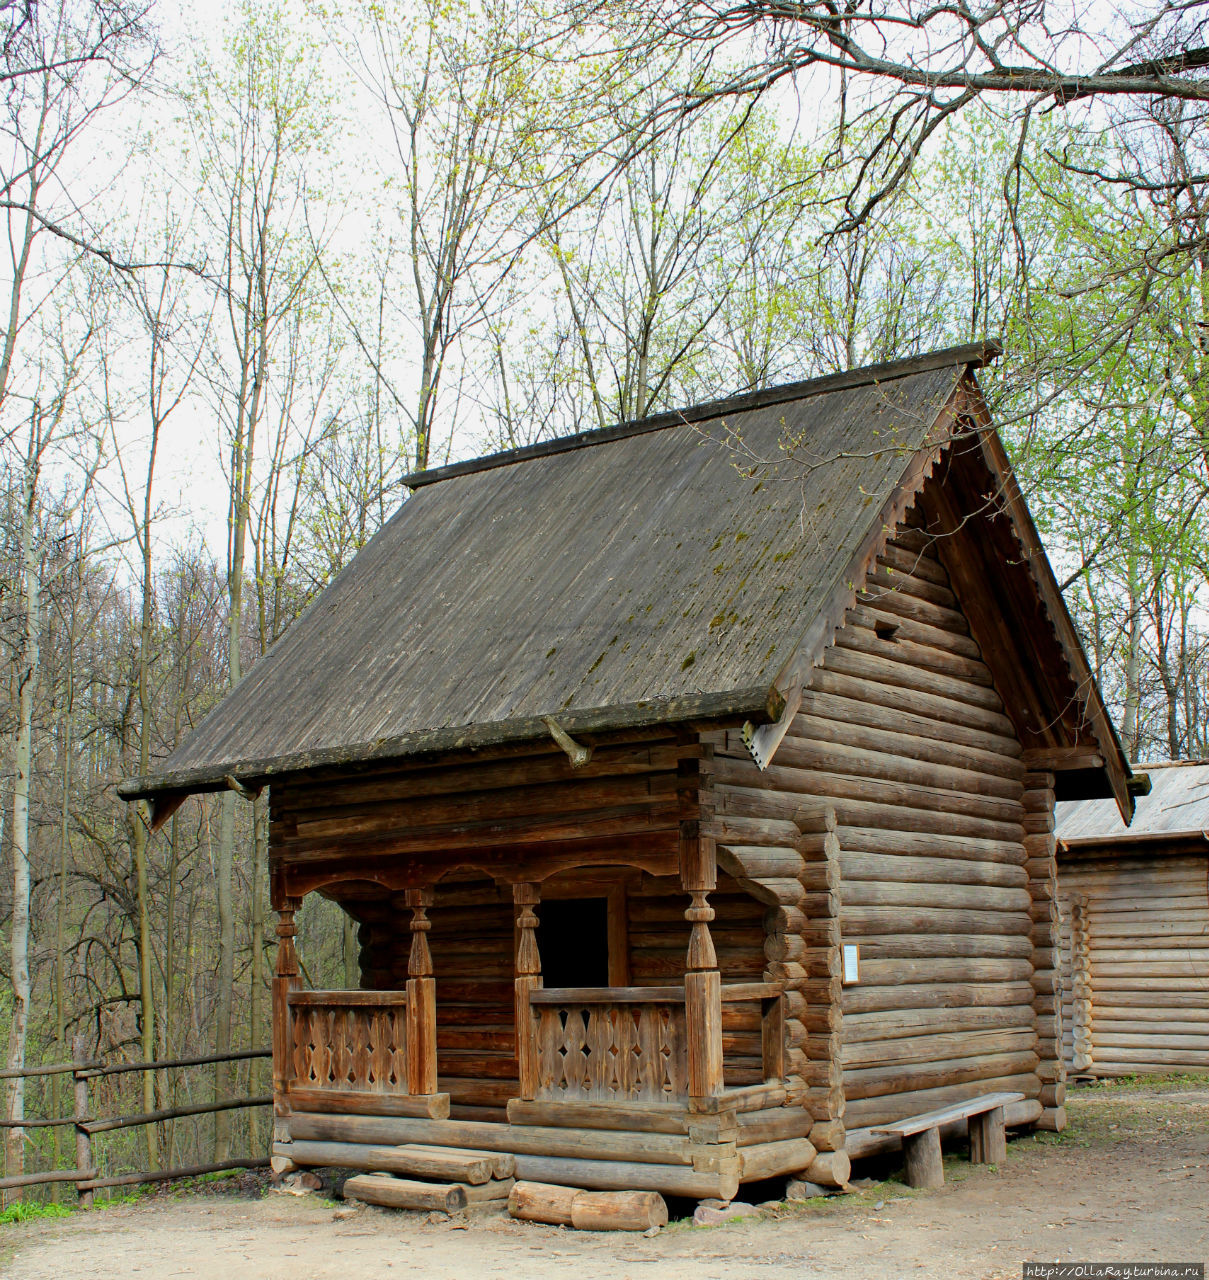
[83, 1137]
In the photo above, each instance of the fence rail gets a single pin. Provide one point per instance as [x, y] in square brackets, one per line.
[85, 1175]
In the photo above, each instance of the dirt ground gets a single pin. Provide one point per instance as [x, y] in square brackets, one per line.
[1128, 1181]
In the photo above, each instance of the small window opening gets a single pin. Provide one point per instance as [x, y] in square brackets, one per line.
[573, 942]
[887, 631]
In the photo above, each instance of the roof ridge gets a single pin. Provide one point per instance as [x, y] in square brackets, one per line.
[974, 354]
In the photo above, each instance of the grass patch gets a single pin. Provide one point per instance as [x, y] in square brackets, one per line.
[30, 1211]
[1171, 1082]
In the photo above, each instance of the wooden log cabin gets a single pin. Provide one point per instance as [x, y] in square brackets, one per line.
[692, 784]
[1134, 912]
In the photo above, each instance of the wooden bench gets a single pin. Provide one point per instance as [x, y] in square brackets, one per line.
[921, 1136]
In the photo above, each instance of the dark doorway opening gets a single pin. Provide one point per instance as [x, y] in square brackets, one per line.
[573, 942]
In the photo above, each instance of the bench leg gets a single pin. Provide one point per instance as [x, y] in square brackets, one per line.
[924, 1165]
[988, 1138]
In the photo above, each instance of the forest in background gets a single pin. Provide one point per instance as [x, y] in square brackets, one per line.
[257, 271]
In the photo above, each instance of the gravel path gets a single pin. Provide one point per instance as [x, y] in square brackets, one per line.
[1129, 1181]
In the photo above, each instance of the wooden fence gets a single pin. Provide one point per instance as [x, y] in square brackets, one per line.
[85, 1175]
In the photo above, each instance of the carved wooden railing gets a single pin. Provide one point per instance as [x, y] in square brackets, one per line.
[609, 1044]
[630, 1044]
[348, 1042]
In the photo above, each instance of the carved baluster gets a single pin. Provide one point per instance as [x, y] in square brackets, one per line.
[703, 1002]
[528, 978]
[285, 980]
[421, 1000]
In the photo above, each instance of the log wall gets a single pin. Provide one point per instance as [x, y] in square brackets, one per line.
[902, 733]
[1147, 960]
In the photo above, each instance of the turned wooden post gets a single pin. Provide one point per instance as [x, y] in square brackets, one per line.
[702, 981]
[703, 1003]
[421, 1000]
[285, 980]
[528, 978]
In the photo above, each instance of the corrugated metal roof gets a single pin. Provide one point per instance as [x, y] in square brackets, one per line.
[654, 566]
[1178, 804]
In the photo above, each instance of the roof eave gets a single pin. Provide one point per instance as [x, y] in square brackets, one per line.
[1114, 845]
[760, 705]
[1116, 766]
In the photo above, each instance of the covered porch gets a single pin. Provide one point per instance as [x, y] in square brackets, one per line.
[585, 967]
[622, 1086]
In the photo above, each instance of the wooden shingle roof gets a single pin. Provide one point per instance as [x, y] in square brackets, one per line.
[660, 571]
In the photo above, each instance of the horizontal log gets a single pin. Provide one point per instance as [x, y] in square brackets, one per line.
[833, 785]
[171, 1175]
[931, 845]
[864, 1112]
[643, 1211]
[892, 972]
[619, 1175]
[203, 1060]
[1163, 969]
[773, 1159]
[889, 765]
[607, 995]
[519, 1139]
[754, 1097]
[1192, 1013]
[739, 828]
[964, 702]
[1102, 956]
[845, 700]
[879, 1082]
[972, 897]
[878, 920]
[41, 1179]
[907, 868]
[773, 1124]
[1122, 1061]
[175, 1113]
[404, 1193]
[909, 605]
[346, 999]
[894, 1023]
[628, 1117]
[942, 946]
[940, 995]
[874, 627]
[757, 861]
[936, 1047]
[532, 769]
[418, 1161]
[434, 1106]
[533, 805]
[1120, 1036]
[905, 818]
[58, 1122]
[915, 566]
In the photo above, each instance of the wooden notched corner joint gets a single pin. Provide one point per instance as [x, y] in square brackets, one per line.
[577, 753]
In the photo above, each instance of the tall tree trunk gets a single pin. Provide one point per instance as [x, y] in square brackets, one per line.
[66, 731]
[140, 815]
[23, 768]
